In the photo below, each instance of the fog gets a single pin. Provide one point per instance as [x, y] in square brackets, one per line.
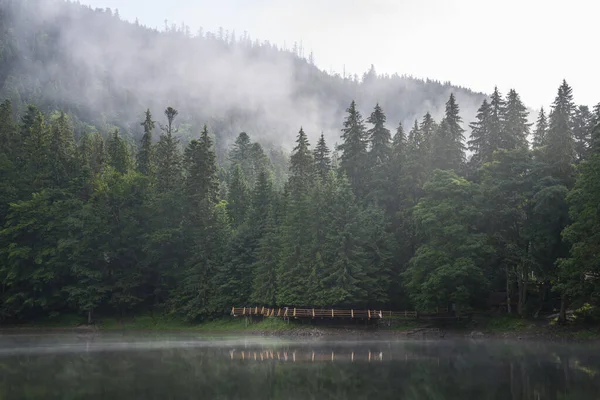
[126, 366]
[111, 71]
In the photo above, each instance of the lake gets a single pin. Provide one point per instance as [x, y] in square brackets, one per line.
[186, 366]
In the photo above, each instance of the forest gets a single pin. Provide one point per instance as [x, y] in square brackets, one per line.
[395, 220]
[107, 210]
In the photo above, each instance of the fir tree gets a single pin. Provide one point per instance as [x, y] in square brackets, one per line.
[238, 196]
[36, 146]
[118, 153]
[379, 138]
[62, 147]
[145, 156]
[201, 181]
[516, 125]
[354, 150]
[479, 142]
[449, 149]
[168, 157]
[541, 128]
[427, 129]
[497, 121]
[241, 154]
[583, 124]
[559, 152]
[378, 157]
[322, 158]
[264, 287]
[301, 165]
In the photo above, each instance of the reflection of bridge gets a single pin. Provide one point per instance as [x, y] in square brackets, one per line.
[319, 355]
[288, 312]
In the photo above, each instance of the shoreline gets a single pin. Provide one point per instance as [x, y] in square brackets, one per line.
[325, 332]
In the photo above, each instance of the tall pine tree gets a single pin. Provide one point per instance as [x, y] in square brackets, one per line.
[353, 160]
[145, 156]
[322, 158]
[448, 146]
[541, 128]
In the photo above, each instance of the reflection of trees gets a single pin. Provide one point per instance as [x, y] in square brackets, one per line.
[417, 370]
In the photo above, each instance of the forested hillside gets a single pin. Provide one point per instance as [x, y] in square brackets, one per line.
[94, 222]
[105, 72]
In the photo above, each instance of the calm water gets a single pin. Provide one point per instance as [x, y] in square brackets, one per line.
[191, 367]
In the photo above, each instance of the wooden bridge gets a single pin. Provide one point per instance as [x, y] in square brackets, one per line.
[321, 313]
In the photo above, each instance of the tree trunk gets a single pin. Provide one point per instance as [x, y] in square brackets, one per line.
[89, 317]
[562, 316]
[522, 280]
[508, 308]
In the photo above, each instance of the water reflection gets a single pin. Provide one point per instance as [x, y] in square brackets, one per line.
[128, 367]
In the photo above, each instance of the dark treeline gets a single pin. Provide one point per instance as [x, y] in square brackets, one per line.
[396, 220]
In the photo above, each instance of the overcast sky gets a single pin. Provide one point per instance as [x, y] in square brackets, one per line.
[529, 45]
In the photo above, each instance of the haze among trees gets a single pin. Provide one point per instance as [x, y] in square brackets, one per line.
[114, 218]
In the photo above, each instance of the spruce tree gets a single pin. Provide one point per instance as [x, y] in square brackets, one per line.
[322, 158]
[92, 152]
[201, 165]
[497, 121]
[479, 143]
[259, 162]
[145, 156]
[296, 231]
[414, 172]
[238, 199]
[118, 153]
[427, 129]
[398, 151]
[353, 160]
[448, 146]
[595, 139]
[9, 149]
[62, 146]
[301, 165]
[379, 138]
[9, 138]
[36, 146]
[378, 157]
[242, 154]
[516, 125]
[264, 286]
[583, 123]
[343, 255]
[392, 179]
[559, 152]
[168, 157]
[541, 128]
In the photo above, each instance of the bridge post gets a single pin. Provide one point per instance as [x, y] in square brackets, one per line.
[244, 312]
[313, 313]
[352, 313]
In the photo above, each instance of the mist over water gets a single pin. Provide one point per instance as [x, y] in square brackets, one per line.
[128, 366]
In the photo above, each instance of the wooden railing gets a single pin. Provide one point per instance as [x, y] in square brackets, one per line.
[290, 312]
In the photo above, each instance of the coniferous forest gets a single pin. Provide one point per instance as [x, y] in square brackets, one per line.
[97, 219]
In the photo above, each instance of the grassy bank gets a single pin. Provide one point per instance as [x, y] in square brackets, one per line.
[502, 326]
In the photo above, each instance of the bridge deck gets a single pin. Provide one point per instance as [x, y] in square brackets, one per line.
[288, 312]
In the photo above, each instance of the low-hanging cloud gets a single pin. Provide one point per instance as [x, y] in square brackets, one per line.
[118, 69]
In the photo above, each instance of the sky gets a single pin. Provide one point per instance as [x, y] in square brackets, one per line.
[528, 45]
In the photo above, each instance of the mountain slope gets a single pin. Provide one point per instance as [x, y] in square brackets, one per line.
[106, 72]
